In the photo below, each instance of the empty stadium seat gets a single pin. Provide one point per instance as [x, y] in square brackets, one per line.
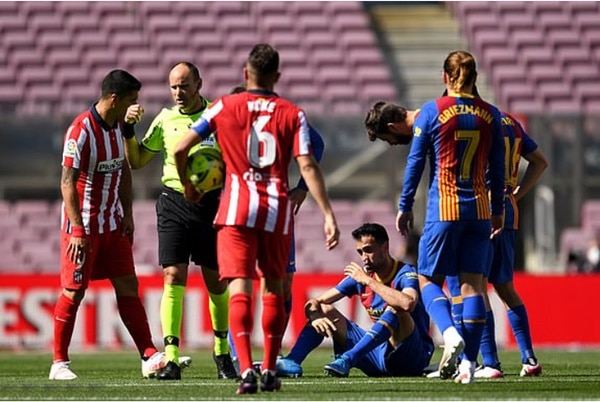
[96, 37]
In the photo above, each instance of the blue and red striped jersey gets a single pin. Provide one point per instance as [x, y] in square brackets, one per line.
[463, 136]
[517, 143]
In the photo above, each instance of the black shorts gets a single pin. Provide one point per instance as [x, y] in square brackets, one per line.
[185, 229]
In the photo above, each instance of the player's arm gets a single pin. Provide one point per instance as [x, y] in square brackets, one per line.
[68, 188]
[414, 169]
[298, 194]
[399, 300]
[137, 155]
[537, 164]
[311, 172]
[315, 315]
[496, 173]
[199, 131]
[126, 198]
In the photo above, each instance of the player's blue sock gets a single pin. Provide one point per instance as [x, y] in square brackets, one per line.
[307, 341]
[437, 306]
[457, 303]
[232, 351]
[473, 323]
[380, 332]
[519, 322]
[488, 348]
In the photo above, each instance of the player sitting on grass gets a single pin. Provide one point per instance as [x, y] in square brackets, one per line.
[398, 343]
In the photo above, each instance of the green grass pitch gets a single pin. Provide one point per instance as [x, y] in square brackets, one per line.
[568, 375]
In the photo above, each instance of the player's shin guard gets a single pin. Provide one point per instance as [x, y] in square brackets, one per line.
[437, 306]
[65, 312]
[241, 323]
[519, 322]
[307, 341]
[219, 316]
[134, 317]
[473, 322]
[273, 321]
[380, 332]
[488, 348]
[171, 314]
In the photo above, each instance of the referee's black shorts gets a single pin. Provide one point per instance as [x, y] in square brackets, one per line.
[185, 229]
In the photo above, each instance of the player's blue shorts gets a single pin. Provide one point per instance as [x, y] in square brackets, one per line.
[409, 359]
[447, 248]
[291, 267]
[503, 260]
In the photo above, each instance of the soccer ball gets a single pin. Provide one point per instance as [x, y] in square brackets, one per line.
[205, 169]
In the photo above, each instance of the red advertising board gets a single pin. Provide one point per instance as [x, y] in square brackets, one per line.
[561, 310]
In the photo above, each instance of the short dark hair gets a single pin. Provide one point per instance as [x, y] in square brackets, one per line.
[380, 115]
[375, 230]
[238, 89]
[264, 59]
[119, 82]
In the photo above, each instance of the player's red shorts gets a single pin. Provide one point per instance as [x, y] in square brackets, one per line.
[239, 248]
[111, 257]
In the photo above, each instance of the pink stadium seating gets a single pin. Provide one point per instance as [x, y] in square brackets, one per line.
[96, 37]
[553, 45]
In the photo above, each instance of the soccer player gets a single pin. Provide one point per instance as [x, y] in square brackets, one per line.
[185, 229]
[258, 132]
[297, 196]
[502, 255]
[97, 222]
[398, 343]
[463, 136]
[393, 124]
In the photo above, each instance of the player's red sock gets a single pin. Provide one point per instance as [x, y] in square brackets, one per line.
[65, 312]
[273, 323]
[134, 317]
[241, 323]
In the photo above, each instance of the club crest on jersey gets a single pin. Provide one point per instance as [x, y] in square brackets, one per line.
[70, 148]
[78, 276]
[110, 166]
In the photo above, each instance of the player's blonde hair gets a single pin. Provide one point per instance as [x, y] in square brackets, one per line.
[461, 69]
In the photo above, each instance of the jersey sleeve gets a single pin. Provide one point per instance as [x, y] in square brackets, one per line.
[205, 125]
[408, 279]
[496, 164]
[348, 287]
[318, 148]
[75, 140]
[153, 140]
[302, 142]
[528, 144]
[417, 156]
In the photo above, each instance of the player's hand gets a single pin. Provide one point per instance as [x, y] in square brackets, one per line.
[127, 227]
[190, 193]
[324, 326]
[404, 222]
[297, 196]
[77, 250]
[332, 233]
[357, 273]
[497, 225]
[134, 114]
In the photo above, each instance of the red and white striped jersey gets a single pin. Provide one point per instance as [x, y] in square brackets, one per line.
[97, 150]
[258, 133]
